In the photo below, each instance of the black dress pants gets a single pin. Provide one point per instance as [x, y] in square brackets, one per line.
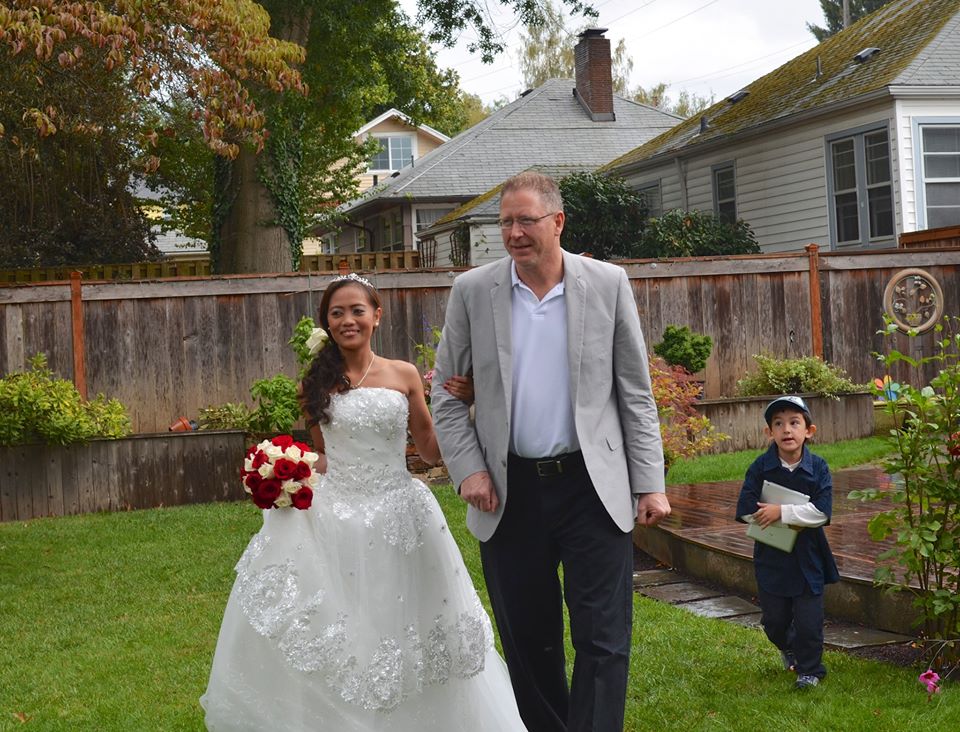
[795, 625]
[549, 521]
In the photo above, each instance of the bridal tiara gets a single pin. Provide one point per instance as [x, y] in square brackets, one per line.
[355, 278]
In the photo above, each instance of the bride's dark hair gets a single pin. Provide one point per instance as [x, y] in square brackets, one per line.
[327, 374]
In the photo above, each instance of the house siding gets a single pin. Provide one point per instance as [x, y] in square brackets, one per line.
[906, 111]
[781, 179]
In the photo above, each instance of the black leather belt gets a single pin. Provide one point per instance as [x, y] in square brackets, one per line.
[550, 467]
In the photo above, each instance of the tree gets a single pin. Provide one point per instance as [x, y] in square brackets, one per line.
[605, 218]
[687, 104]
[679, 233]
[833, 14]
[80, 79]
[258, 216]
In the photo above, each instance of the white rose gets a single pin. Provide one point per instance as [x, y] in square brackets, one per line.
[290, 486]
[273, 452]
[283, 500]
[265, 470]
[313, 480]
[248, 464]
[310, 458]
[316, 341]
[293, 453]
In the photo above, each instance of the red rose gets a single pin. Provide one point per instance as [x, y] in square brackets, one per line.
[267, 492]
[250, 450]
[303, 447]
[284, 469]
[282, 441]
[302, 471]
[302, 498]
[259, 458]
[252, 481]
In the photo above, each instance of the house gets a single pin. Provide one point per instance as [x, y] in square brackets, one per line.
[578, 124]
[848, 145]
[402, 143]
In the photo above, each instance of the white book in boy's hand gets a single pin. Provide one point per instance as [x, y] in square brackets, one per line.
[778, 534]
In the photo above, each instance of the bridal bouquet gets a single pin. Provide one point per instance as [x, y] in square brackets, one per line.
[279, 473]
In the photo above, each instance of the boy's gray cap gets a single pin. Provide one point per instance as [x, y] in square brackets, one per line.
[785, 401]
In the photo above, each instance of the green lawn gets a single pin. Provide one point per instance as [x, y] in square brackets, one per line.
[108, 622]
[733, 465]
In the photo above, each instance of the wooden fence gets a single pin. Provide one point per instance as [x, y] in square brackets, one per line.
[168, 348]
[945, 236]
[144, 471]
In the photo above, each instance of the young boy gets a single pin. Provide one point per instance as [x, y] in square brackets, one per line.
[791, 583]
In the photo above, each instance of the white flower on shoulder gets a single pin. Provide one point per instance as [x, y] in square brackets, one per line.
[317, 340]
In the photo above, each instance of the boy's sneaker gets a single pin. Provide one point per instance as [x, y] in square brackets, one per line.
[806, 682]
[789, 662]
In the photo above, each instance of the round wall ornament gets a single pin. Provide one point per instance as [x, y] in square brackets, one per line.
[913, 299]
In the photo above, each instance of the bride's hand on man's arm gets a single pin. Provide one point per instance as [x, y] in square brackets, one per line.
[460, 387]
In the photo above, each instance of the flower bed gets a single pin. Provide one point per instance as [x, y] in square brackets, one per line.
[141, 471]
[848, 418]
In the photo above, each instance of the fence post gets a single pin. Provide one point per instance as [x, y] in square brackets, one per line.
[76, 317]
[816, 314]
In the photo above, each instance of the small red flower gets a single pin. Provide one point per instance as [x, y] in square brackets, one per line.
[260, 458]
[250, 450]
[284, 469]
[303, 447]
[282, 441]
[252, 481]
[302, 498]
[302, 472]
[953, 447]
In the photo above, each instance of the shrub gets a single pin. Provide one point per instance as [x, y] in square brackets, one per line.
[924, 524]
[35, 406]
[684, 431]
[808, 375]
[229, 416]
[605, 218]
[427, 358]
[680, 233]
[682, 347]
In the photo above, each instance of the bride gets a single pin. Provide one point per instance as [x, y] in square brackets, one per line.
[358, 613]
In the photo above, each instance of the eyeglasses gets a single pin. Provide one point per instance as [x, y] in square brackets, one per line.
[524, 222]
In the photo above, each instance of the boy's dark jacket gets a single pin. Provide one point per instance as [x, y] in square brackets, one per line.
[811, 562]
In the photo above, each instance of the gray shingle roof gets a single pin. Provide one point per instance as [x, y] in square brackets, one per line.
[919, 42]
[545, 127]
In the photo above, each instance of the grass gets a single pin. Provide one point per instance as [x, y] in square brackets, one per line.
[733, 465]
[109, 622]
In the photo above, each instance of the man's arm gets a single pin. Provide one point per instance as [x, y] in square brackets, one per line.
[638, 410]
[455, 430]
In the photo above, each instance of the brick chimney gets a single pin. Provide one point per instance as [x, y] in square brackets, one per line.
[594, 89]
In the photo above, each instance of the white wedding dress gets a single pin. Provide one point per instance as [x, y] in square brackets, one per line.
[358, 613]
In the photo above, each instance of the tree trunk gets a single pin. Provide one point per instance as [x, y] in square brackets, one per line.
[250, 238]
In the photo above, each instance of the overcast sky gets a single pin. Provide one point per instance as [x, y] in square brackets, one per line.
[705, 46]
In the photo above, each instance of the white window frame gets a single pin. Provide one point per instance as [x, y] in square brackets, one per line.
[715, 170]
[920, 179]
[444, 209]
[385, 139]
[858, 135]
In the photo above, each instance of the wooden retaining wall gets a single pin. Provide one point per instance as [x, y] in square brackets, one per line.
[849, 418]
[143, 471]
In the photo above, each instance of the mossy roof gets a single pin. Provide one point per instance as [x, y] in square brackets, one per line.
[904, 31]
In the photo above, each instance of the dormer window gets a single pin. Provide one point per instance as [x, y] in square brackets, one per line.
[396, 152]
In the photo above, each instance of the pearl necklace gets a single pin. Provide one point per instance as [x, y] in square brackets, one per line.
[373, 358]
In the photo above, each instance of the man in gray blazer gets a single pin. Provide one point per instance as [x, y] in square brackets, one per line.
[561, 458]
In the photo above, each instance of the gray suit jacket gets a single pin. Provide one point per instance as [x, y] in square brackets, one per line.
[614, 410]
